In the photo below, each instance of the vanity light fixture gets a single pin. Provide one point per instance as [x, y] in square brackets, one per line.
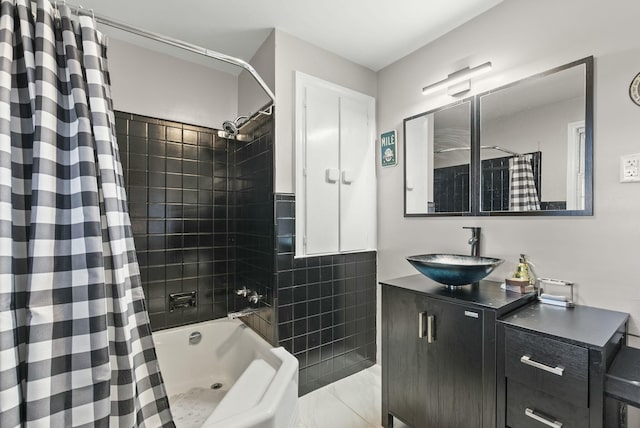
[458, 81]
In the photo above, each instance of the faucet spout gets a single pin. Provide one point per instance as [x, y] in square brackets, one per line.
[243, 313]
[474, 241]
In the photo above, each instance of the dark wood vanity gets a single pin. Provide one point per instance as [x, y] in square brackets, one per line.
[478, 356]
[555, 362]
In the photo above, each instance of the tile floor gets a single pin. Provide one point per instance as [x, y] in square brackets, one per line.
[352, 402]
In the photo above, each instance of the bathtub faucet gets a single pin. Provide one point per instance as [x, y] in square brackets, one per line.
[243, 313]
[255, 297]
[244, 292]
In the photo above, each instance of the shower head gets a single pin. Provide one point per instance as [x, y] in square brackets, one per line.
[232, 127]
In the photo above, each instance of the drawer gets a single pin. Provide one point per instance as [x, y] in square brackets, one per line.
[548, 365]
[528, 408]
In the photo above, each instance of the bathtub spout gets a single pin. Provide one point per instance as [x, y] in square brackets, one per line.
[243, 313]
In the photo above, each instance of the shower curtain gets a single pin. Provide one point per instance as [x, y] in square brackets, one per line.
[75, 342]
[523, 195]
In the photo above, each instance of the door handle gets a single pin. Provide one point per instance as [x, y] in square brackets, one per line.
[347, 177]
[332, 175]
[431, 325]
[427, 321]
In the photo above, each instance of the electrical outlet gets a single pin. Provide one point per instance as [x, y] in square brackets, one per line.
[630, 168]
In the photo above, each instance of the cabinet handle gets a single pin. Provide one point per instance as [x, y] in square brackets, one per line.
[532, 414]
[347, 177]
[525, 359]
[332, 175]
[421, 317]
[430, 326]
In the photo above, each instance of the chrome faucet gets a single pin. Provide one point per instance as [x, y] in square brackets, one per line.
[255, 297]
[243, 313]
[244, 292]
[474, 241]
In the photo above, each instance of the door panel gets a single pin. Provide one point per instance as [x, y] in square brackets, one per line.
[322, 166]
[406, 389]
[357, 164]
[458, 364]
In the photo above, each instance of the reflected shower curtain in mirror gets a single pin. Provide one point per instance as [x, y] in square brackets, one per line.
[75, 342]
[523, 195]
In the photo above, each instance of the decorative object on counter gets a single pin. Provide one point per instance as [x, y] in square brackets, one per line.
[518, 286]
[523, 280]
[556, 299]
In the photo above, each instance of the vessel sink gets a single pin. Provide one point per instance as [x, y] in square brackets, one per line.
[454, 269]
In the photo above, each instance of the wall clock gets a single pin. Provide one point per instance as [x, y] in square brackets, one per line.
[634, 89]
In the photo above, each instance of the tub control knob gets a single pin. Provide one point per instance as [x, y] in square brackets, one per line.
[255, 297]
[244, 292]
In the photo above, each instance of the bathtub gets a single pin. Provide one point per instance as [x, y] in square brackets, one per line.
[232, 378]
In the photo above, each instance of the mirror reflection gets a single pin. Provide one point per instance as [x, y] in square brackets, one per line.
[437, 160]
[532, 140]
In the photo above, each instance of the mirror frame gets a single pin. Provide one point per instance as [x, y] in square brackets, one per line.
[472, 185]
[476, 141]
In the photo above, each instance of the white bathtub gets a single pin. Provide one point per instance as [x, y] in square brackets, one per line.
[260, 383]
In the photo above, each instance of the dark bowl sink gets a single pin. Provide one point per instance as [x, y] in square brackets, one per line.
[454, 269]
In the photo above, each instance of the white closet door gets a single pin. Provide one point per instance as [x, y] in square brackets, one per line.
[357, 178]
[322, 171]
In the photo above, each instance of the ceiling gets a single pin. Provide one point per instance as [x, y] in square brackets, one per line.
[372, 33]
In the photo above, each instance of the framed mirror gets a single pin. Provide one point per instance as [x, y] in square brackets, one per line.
[437, 154]
[525, 148]
[536, 144]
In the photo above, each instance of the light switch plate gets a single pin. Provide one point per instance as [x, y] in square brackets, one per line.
[630, 168]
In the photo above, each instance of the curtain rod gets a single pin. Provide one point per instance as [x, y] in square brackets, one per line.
[78, 10]
[455, 149]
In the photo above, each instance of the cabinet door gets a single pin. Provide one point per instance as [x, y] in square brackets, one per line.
[458, 362]
[335, 169]
[357, 165]
[412, 388]
[322, 171]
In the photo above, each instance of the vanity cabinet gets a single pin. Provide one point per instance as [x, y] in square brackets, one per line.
[555, 361]
[438, 352]
[435, 360]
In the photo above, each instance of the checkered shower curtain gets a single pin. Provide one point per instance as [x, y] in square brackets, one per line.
[75, 341]
[523, 195]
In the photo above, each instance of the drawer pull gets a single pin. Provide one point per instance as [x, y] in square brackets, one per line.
[421, 324]
[427, 321]
[430, 326]
[532, 414]
[525, 359]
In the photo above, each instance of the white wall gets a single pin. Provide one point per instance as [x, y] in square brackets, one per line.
[152, 84]
[293, 54]
[521, 38]
[251, 96]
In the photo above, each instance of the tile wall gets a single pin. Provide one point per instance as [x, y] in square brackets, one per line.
[177, 188]
[326, 306]
[252, 220]
[205, 219]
